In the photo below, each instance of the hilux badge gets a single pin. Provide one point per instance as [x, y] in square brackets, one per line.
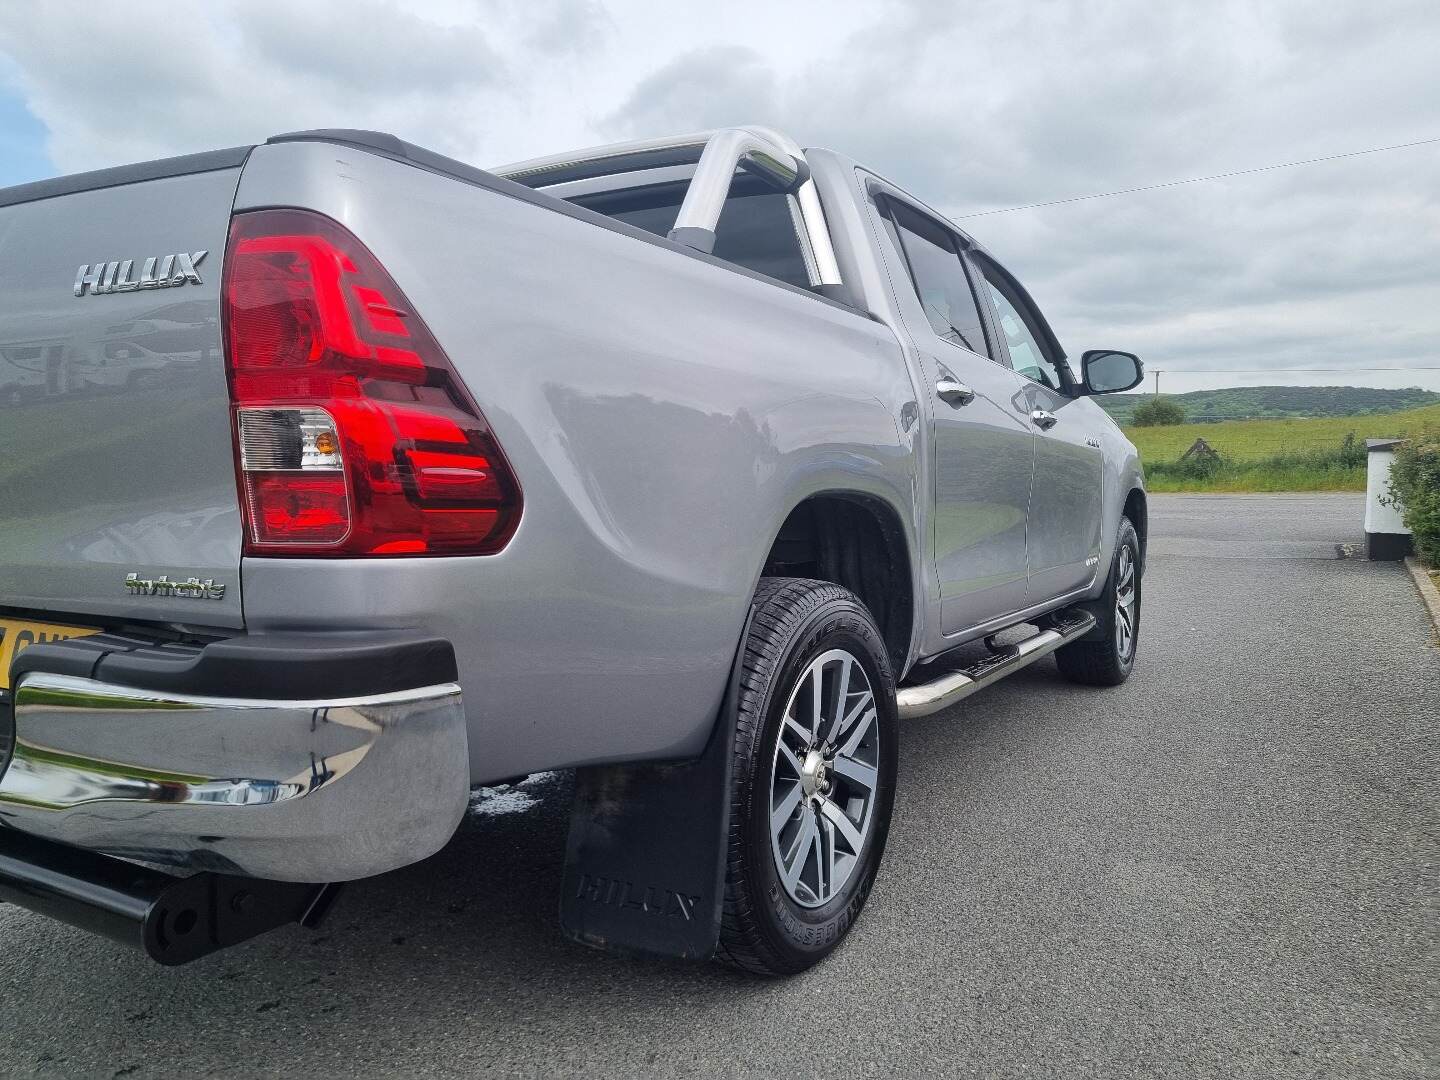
[156, 272]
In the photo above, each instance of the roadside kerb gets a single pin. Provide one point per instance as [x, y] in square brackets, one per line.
[1428, 592]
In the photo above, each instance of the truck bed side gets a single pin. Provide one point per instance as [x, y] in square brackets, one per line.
[663, 413]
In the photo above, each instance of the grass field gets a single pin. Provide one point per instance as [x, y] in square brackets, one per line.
[1273, 455]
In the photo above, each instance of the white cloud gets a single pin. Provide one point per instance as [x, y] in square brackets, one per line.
[973, 107]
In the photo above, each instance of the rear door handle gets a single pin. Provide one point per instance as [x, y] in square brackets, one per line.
[1044, 420]
[956, 393]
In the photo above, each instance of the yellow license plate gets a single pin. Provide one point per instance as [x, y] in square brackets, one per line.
[16, 634]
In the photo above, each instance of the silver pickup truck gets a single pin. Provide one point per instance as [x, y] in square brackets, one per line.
[338, 478]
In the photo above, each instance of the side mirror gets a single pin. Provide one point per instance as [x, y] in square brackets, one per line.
[1106, 371]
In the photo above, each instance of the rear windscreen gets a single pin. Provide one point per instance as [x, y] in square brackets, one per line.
[756, 228]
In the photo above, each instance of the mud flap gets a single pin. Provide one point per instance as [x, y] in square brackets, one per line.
[645, 861]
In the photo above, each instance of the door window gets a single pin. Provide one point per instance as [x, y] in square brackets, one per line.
[938, 275]
[1027, 356]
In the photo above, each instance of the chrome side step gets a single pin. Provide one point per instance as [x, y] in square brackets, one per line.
[926, 698]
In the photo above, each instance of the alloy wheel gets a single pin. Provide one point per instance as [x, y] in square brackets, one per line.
[823, 779]
[1125, 604]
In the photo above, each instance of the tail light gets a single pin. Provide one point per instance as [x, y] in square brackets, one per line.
[354, 435]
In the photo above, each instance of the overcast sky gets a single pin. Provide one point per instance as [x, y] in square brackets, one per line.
[973, 107]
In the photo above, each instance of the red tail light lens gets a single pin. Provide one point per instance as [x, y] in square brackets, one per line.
[354, 435]
[299, 509]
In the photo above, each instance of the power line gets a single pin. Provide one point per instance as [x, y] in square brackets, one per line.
[1269, 370]
[1202, 179]
[1193, 416]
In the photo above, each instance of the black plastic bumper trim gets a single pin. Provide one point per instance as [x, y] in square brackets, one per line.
[296, 666]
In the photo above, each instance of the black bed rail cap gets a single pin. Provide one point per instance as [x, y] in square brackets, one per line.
[161, 169]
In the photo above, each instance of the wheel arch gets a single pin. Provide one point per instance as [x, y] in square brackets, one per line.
[858, 541]
[1137, 509]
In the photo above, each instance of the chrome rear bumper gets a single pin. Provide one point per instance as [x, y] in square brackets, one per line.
[293, 790]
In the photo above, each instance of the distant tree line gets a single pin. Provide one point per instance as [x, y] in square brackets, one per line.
[1276, 402]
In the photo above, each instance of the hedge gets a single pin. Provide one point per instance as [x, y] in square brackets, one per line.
[1415, 490]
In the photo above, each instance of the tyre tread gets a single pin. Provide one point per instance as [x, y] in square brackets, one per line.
[1096, 663]
[780, 605]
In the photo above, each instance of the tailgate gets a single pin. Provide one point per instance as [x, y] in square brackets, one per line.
[117, 483]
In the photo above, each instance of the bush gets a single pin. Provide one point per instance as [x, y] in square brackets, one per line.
[1197, 467]
[1353, 454]
[1415, 489]
[1158, 412]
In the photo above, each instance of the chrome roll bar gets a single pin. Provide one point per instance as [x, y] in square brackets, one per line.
[725, 151]
[772, 156]
[813, 214]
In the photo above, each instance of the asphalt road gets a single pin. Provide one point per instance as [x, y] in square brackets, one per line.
[1224, 868]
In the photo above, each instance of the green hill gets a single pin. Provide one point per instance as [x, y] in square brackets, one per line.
[1277, 402]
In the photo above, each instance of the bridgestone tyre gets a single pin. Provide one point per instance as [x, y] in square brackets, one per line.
[813, 788]
[1108, 659]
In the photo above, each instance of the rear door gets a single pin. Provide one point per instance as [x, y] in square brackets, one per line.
[115, 444]
[983, 445]
[1063, 541]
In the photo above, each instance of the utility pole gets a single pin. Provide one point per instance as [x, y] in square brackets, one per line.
[1157, 382]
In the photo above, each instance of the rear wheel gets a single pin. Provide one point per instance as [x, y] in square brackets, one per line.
[1110, 657]
[814, 776]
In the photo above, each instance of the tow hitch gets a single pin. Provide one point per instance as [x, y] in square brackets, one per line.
[173, 919]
